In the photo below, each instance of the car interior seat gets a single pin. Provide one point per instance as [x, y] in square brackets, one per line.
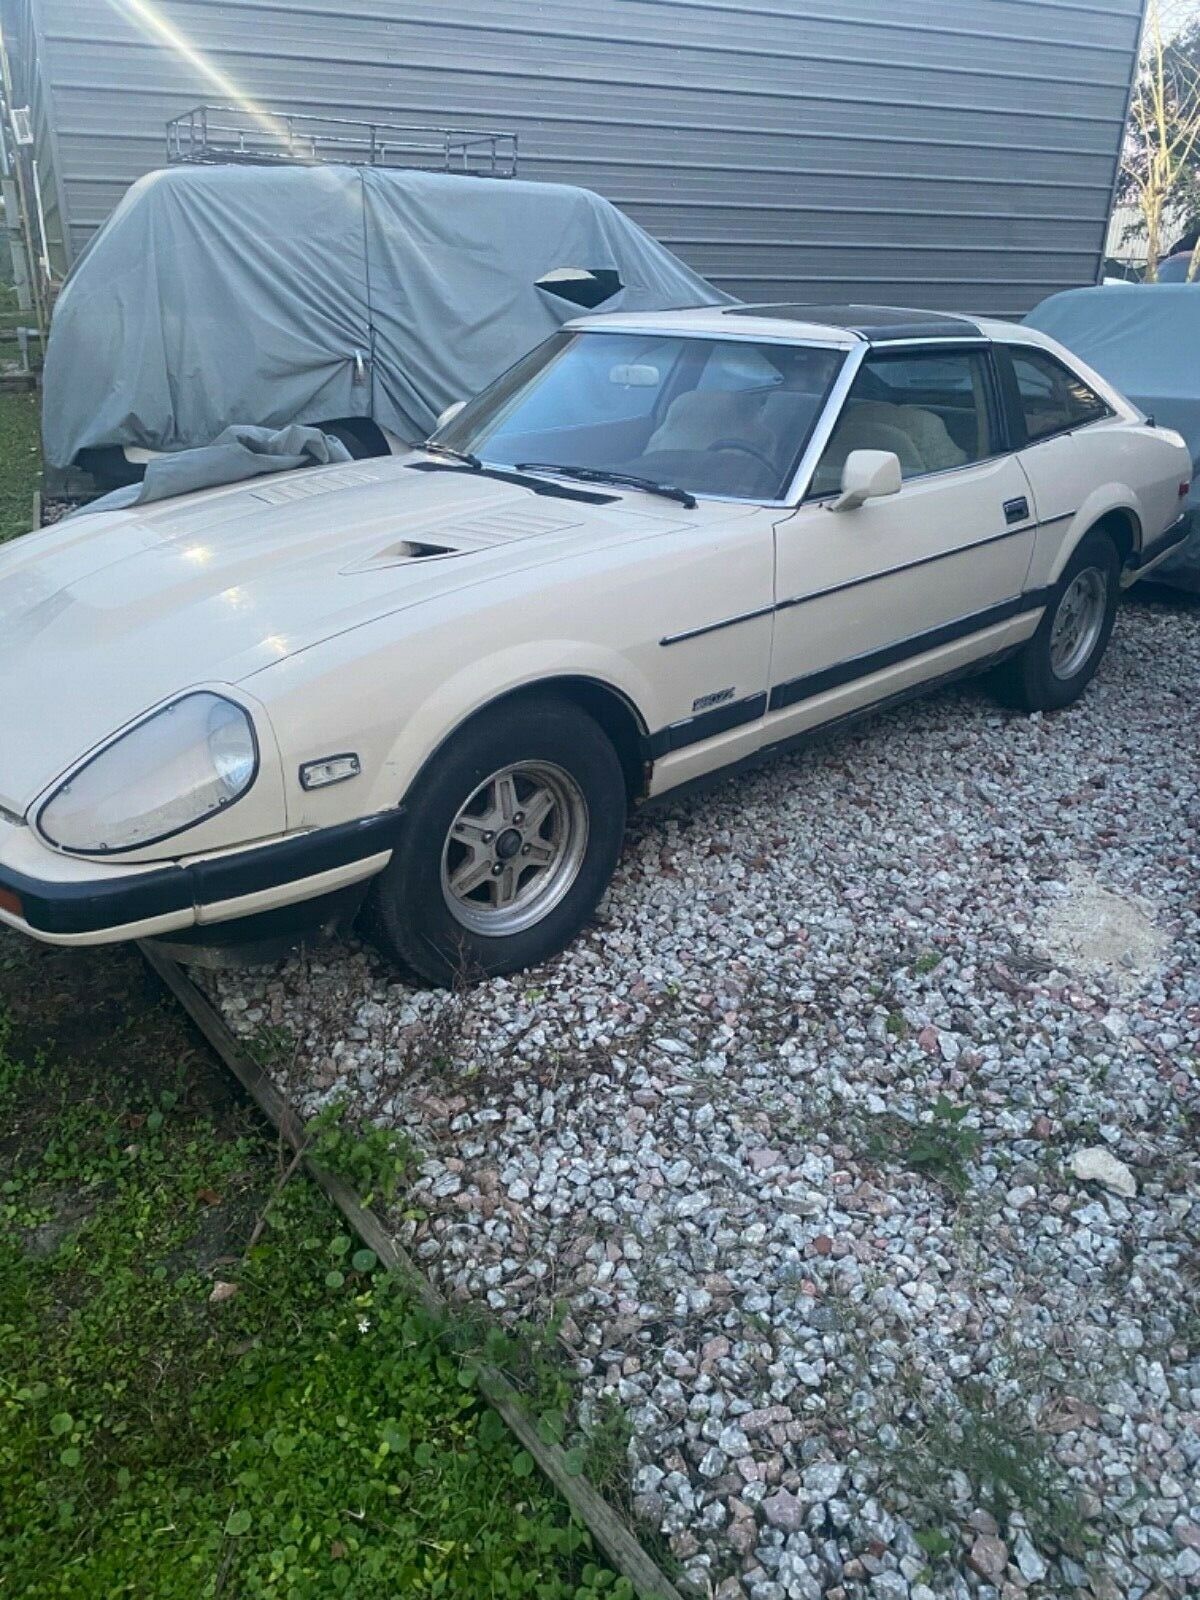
[702, 418]
[918, 437]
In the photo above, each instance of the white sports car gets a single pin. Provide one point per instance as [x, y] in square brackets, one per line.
[659, 546]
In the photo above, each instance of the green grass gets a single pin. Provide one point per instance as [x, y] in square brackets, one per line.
[20, 463]
[308, 1434]
[941, 1148]
[1009, 1464]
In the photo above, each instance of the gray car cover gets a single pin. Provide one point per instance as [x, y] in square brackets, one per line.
[232, 457]
[1145, 339]
[273, 295]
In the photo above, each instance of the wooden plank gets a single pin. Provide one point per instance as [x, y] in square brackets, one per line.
[611, 1533]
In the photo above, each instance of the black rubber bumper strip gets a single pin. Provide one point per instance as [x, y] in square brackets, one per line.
[114, 902]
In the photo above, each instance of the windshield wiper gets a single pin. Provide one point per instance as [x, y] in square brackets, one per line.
[472, 461]
[602, 475]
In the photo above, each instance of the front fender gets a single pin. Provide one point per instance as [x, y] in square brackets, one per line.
[395, 702]
[447, 705]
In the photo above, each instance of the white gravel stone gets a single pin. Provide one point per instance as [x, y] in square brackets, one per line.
[1096, 1165]
[823, 1481]
[1033, 1568]
[722, 1132]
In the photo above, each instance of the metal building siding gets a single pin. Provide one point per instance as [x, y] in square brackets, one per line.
[25, 57]
[958, 153]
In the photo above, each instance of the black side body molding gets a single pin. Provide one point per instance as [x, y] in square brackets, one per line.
[808, 736]
[843, 672]
[679, 735]
[721, 719]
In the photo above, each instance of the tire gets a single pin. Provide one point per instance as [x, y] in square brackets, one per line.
[461, 899]
[1055, 666]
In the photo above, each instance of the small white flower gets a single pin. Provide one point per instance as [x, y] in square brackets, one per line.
[364, 1324]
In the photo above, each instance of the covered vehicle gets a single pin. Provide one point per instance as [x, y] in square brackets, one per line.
[660, 545]
[363, 300]
[1145, 339]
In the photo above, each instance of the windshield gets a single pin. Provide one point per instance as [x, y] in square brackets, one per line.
[712, 416]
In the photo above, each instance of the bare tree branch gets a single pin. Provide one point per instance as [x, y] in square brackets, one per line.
[1163, 138]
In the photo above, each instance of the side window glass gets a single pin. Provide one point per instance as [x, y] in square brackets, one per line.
[1053, 398]
[928, 407]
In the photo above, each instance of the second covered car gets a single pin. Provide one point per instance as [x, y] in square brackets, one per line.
[659, 546]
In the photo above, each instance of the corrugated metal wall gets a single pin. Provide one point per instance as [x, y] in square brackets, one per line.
[21, 33]
[954, 153]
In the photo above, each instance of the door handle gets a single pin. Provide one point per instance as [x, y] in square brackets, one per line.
[1016, 510]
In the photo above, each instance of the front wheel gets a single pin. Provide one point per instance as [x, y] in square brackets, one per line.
[1057, 663]
[509, 840]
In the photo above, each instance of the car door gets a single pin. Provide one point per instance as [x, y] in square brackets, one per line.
[912, 586]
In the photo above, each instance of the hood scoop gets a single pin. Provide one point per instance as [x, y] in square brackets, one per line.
[400, 554]
[464, 536]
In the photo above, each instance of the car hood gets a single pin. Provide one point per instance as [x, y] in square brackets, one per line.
[108, 614]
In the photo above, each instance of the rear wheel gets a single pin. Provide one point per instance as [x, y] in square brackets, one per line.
[1057, 663]
[510, 838]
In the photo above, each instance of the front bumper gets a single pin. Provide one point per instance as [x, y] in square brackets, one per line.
[147, 902]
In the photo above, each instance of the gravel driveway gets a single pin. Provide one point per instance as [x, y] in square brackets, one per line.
[858, 1139]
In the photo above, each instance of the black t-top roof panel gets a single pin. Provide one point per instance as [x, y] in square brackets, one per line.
[879, 324]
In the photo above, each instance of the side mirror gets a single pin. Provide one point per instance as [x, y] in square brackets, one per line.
[448, 414]
[867, 475]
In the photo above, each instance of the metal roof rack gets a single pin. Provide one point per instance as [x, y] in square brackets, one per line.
[212, 134]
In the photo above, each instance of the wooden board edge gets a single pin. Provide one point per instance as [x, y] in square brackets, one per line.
[610, 1531]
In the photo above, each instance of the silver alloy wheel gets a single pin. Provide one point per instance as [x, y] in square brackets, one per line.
[514, 849]
[1078, 622]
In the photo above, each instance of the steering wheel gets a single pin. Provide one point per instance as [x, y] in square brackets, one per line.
[746, 450]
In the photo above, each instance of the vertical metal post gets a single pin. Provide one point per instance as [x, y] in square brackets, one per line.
[41, 218]
[16, 244]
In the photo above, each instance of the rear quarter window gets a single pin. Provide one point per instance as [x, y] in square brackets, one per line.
[1053, 398]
